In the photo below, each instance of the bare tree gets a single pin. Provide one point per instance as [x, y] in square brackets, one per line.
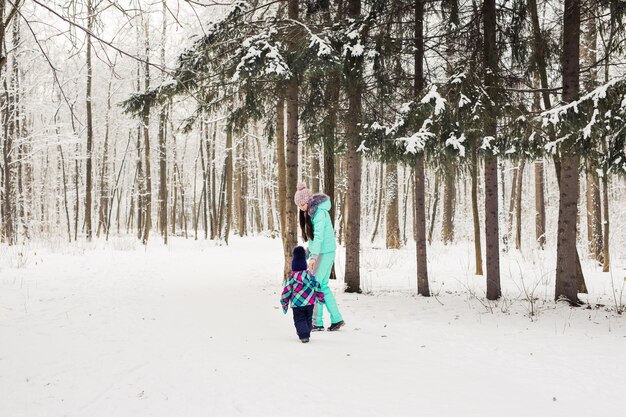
[88, 100]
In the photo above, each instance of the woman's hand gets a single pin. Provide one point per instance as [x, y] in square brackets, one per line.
[311, 264]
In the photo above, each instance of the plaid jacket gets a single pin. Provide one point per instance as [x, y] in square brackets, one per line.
[302, 290]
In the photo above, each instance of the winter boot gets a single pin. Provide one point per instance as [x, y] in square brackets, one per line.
[305, 340]
[317, 329]
[336, 326]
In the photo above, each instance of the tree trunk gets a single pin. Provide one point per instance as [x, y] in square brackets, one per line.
[407, 186]
[420, 177]
[116, 189]
[163, 174]
[175, 185]
[566, 273]
[508, 236]
[146, 140]
[329, 141]
[540, 205]
[7, 207]
[163, 194]
[379, 200]
[449, 195]
[228, 181]
[354, 89]
[243, 214]
[329, 151]
[237, 191]
[315, 171]
[265, 185]
[594, 213]
[20, 136]
[282, 179]
[434, 209]
[518, 205]
[88, 162]
[213, 180]
[392, 226]
[196, 221]
[478, 256]
[491, 163]
[105, 193]
[605, 209]
[590, 80]
[291, 147]
[538, 43]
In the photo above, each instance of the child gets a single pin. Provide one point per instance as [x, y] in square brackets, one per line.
[302, 290]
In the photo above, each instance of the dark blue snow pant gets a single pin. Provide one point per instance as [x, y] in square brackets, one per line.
[303, 320]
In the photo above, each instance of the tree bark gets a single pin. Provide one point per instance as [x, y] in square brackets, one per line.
[315, 171]
[163, 193]
[392, 220]
[423, 287]
[103, 222]
[594, 213]
[605, 209]
[283, 200]
[518, 205]
[588, 55]
[88, 162]
[540, 205]
[435, 203]
[353, 139]
[291, 147]
[228, 180]
[237, 191]
[478, 257]
[508, 236]
[449, 196]
[538, 45]
[491, 163]
[378, 199]
[566, 273]
[243, 186]
[146, 139]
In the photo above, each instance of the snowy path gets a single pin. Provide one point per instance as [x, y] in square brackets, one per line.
[197, 332]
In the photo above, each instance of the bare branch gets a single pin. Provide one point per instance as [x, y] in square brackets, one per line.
[109, 44]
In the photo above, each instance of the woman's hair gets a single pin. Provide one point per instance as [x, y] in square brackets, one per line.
[306, 225]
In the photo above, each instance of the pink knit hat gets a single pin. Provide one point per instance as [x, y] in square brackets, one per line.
[303, 195]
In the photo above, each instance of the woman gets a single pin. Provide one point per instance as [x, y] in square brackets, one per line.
[317, 230]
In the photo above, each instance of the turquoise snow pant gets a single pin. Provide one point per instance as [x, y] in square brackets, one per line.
[321, 271]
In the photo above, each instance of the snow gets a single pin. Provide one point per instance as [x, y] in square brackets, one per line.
[194, 329]
[456, 143]
[464, 100]
[554, 115]
[440, 102]
[587, 129]
[323, 47]
[486, 145]
[254, 47]
[362, 148]
[417, 141]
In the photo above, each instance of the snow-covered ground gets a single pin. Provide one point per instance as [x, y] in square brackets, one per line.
[195, 329]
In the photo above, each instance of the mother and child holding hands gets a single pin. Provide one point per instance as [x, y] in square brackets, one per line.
[307, 284]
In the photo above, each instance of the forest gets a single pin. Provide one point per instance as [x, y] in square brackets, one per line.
[496, 123]
[158, 170]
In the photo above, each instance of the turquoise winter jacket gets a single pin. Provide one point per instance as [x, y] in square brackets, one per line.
[323, 232]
